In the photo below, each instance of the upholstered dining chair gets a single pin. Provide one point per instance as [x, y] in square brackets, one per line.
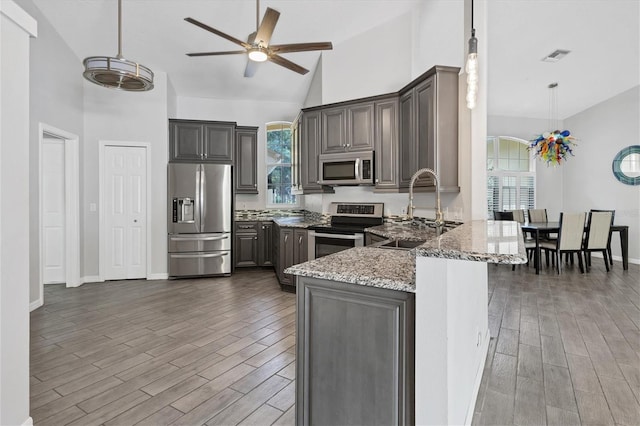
[598, 236]
[569, 238]
[537, 215]
[502, 215]
[613, 215]
[518, 215]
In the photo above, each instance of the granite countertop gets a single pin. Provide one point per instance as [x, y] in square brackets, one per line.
[479, 241]
[284, 218]
[405, 231]
[368, 266]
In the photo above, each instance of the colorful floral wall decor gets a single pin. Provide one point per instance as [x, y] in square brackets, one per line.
[553, 147]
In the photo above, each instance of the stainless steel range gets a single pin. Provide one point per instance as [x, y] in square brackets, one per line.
[346, 230]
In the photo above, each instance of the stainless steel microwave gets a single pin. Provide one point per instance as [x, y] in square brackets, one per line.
[346, 168]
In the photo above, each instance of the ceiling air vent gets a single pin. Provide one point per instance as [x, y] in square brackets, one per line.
[556, 55]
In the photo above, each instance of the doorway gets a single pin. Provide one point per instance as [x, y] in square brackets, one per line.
[59, 225]
[124, 210]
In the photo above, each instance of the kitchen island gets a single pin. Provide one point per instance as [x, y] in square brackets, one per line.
[389, 336]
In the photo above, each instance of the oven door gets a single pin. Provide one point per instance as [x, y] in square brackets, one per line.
[323, 244]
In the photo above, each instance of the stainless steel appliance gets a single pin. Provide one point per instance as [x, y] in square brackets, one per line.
[347, 168]
[200, 209]
[346, 230]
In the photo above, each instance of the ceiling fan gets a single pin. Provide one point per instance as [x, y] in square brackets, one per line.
[257, 45]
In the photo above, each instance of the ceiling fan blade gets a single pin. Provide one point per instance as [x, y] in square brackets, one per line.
[230, 52]
[300, 47]
[277, 59]
[267, 26]
[252, 67]
[217, 32]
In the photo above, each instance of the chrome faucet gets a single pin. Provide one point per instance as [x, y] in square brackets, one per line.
[439, 222]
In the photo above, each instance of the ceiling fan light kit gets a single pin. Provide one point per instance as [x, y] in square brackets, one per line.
[258, 54]
[118, 72]
[257, 45]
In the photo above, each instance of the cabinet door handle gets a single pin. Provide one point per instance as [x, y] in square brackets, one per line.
[300, 240]
[255, 185]
[286, 237]
[255, 238]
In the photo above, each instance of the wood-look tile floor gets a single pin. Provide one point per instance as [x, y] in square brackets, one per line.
[221, 351]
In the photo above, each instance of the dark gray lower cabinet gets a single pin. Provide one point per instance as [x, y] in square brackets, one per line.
[253, 244]
[265, 244]
[290, 248]
[355, 354]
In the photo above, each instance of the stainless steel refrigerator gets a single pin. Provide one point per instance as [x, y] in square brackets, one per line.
[199, 216]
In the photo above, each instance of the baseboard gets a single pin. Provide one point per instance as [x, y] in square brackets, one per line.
[28, 422]
[158, 276]
[617, 258]
[91, 279]
[478, 381]
[35, 304]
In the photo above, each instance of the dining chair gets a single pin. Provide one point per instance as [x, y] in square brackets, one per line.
[569, 240]
[502, 216]
[598, 236]
[613, 215]
[518, 215]
[537, 215]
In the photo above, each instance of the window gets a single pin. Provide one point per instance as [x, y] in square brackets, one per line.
[279, 165]
[511, 176]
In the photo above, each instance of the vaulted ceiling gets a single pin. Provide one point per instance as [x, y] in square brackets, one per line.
[603, 36]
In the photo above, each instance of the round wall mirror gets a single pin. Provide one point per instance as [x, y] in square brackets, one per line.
[626, 165]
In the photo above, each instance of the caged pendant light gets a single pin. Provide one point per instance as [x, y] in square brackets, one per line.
[118, 72]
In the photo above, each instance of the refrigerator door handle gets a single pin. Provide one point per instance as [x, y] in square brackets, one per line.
[199, 238]
[198, 207]
[198, 255]
[203, 198]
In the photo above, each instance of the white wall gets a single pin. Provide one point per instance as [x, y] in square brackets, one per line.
[245, 113]
[549, 179]
[438, 35]
[56, 99]
[602, 131]
[15, 29]
[373, 63]
[114, 115]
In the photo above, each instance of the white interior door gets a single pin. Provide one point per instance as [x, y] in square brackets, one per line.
[125, 213]
[53, 211]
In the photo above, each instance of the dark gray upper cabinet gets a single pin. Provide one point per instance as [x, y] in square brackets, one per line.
[386, 144]
[355, 354]
[334, 130]
[360, 127]
[218, 142]
[348, 128]
[296, 185]
[185, 140]
[208, 141]
[429, 128]
[246, 170]
[310, 131]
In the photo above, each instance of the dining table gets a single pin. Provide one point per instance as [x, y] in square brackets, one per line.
[536, 229]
